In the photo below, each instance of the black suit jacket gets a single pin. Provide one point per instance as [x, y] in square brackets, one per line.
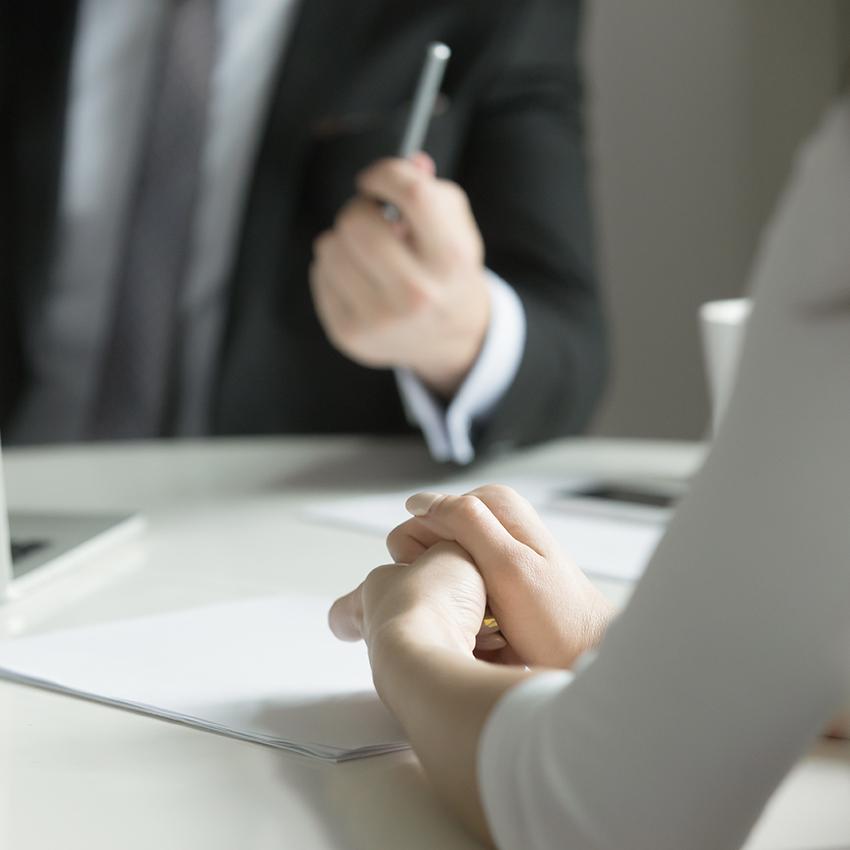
[510, 134]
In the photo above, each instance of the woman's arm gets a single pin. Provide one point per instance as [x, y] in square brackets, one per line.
[421, 619]
[442, 696]
[420, 623]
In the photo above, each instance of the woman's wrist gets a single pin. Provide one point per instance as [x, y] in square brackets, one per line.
[600, 614]
[398, 644]
[416, 631]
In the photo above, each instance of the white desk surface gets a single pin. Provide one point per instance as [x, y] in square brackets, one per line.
[223, 524]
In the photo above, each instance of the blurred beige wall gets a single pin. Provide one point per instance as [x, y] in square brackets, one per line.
[695, 111]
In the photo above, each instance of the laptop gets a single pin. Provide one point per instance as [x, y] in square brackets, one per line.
[35, 546]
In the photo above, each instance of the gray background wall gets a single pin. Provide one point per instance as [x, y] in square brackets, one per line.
[695, 110]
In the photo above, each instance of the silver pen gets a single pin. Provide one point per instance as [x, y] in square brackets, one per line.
[437, 57]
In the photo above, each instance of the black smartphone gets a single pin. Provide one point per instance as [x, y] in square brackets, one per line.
[629, 495]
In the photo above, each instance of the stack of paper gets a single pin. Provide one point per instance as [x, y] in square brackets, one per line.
[265, 670]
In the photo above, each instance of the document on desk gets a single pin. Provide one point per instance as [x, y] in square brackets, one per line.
[608, 541]
[265, 670]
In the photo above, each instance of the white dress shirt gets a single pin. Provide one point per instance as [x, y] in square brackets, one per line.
[735, 649]
[114, 49]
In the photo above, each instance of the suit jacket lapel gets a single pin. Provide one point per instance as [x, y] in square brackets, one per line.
[324, 44]
[327, 39]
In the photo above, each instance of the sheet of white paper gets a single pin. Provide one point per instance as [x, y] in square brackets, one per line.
[604, 546]
[607, 541]
[380, 512]
[266, 670]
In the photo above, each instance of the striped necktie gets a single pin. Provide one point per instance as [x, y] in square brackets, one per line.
[134, 395]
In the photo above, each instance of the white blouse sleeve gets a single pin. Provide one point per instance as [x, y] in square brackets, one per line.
[735, 649]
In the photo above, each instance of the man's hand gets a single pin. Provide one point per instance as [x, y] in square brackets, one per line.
[411, 294]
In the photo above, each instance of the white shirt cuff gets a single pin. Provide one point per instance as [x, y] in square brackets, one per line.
[448, 430]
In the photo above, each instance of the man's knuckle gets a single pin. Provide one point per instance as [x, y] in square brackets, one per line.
[455, 192]
[383, 316]
[341, 328]
[416, 192]
[417, 301]
[385, 165]
[321, 245]
[459, 252]
[415, 296]
[349, 227]
[344, 213]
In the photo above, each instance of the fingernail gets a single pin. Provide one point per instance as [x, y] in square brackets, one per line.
[421, 503]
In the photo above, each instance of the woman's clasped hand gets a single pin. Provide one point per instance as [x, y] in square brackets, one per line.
[461, 557]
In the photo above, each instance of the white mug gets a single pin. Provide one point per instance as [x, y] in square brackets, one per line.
[723, 324]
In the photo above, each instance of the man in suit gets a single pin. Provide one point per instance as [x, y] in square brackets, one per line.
[181, 254]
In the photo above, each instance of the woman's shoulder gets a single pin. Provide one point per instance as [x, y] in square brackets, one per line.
[805, 249]
[829, 144]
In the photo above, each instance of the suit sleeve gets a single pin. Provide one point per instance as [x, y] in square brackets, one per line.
[524, 170]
